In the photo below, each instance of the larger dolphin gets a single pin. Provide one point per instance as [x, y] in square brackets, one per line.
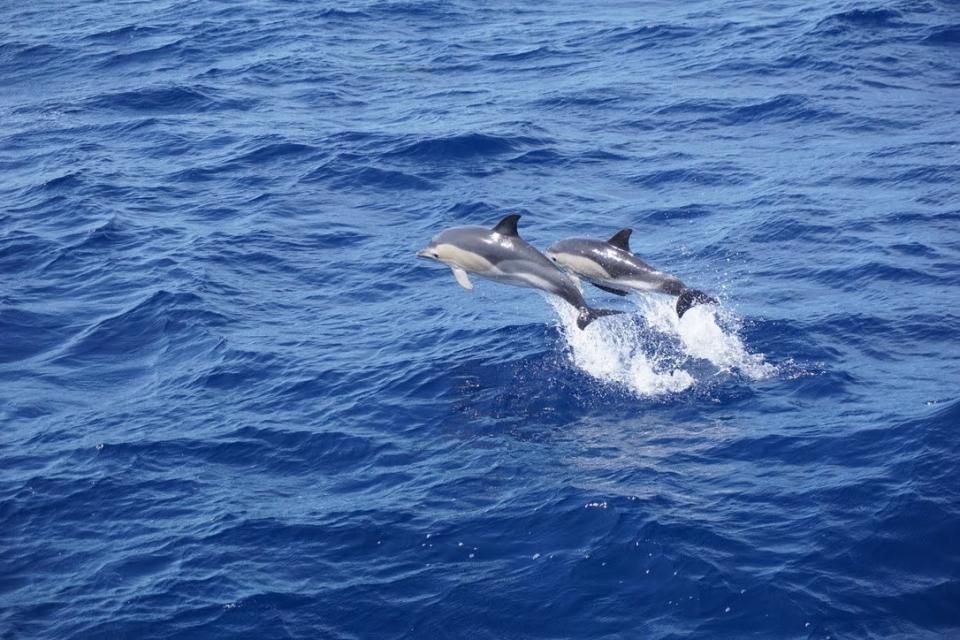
[500, 254]
[611, 266]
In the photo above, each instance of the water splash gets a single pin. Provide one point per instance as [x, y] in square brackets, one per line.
[653, 352]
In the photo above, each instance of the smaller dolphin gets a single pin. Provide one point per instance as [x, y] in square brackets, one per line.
[612, 267]
[500, 254]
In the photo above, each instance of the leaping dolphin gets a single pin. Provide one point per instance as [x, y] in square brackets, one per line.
[611, 266]
[500, 254]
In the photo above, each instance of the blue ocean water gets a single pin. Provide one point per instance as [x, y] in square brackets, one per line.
[234, 405]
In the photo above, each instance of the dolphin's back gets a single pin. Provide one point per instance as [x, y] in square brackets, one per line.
[493, 246]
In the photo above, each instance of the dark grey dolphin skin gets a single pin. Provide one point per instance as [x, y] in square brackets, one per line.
[611, 266]
[500, 254]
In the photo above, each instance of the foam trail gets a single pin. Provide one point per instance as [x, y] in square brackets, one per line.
[611, 350]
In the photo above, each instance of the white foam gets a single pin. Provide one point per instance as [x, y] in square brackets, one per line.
[610, 350]
[708, 332]
[658, 356]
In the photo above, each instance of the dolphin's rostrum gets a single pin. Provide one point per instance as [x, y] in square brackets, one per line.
[611, 266]
[500, 254]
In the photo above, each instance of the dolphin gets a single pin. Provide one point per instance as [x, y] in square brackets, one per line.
[500, 254]
[611, 266]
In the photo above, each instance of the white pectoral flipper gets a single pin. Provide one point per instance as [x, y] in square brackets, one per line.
[461, 277]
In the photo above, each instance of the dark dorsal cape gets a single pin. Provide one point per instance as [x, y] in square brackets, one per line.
[508, 226]
[621, 239]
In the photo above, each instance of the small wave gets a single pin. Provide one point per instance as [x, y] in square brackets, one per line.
[167, 99]
[538, 156]
[645, 36]
[367, 177]
[590, 99]
[948, 36]
[384, 179]
[346, 14]
[656, 352]
[685, 212]
[147, 54]
[469, 145]
[856, 277]
[782, 108]
[122, 34]
[24, 53]
[21, 251]
[861, 18]
[27, 333]
[701, 176]
[527, 54]
[276, 151]
[145, 327]
[68, 181]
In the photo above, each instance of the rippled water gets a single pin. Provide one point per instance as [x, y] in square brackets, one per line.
[234, 405]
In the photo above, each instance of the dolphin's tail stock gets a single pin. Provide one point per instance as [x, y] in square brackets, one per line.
[588, 315]
[691, 298]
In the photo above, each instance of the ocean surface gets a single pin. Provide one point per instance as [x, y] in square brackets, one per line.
[234, 405]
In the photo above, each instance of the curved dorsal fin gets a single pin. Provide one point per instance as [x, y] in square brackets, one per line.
[621, 239]
[508, 226]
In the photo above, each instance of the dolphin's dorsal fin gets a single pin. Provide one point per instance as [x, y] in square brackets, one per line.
[508, 226]
[621, 239]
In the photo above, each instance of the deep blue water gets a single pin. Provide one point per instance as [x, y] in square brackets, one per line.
[234, 405]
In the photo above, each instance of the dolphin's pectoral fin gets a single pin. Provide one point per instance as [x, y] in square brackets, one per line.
[461, 277]
[616, 292]
[576, 281]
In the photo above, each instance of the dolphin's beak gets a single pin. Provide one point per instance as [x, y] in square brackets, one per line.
[423, 254]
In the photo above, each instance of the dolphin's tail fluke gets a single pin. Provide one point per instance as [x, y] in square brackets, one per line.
[691, 298]
[588, 315]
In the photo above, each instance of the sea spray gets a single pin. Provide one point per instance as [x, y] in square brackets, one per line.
[653, 352]
[709, 332]
[611, 350]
